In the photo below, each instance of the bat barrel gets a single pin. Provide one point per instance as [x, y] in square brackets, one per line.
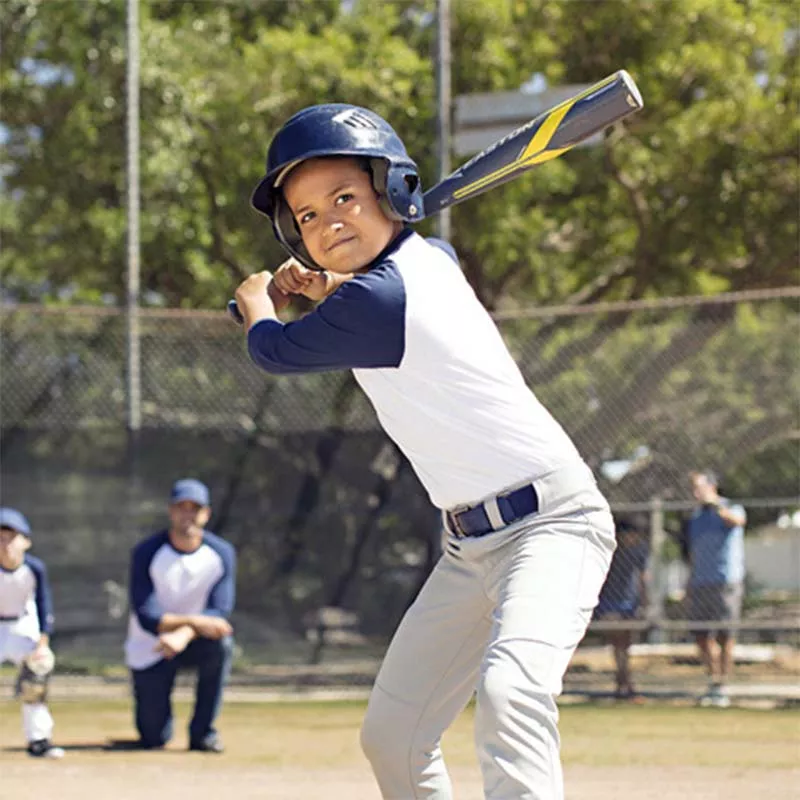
[542, 139]
[595, 110]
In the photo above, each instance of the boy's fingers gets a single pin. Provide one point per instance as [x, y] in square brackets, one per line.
[292, 283]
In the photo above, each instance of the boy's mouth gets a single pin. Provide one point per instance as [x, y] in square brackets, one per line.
[340, 242]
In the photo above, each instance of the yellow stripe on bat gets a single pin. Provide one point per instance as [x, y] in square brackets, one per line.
[535, 152]
[546, 131]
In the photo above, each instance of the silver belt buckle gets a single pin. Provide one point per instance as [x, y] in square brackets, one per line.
[456, 523]
[452, 518]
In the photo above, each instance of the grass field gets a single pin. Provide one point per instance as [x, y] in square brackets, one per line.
[310, 750]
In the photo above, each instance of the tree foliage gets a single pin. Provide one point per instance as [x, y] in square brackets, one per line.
[696, 194]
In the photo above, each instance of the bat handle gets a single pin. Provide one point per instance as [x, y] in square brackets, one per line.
[236, 315]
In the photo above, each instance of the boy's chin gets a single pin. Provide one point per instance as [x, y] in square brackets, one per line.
[350, 259]
[351, 265]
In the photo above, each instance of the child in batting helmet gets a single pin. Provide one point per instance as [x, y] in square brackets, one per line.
[527, 535]
[338, 129]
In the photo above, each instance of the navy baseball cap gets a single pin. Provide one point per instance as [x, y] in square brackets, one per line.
[192, 490]
[11, 518]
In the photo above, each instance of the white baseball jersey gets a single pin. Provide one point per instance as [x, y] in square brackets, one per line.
[435, 368]
[25, 603]
[26, 611]
[164, 579]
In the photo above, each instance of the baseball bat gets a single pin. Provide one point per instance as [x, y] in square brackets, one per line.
[544, 138]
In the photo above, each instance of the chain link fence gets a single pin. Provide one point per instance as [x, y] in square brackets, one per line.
[334, 533]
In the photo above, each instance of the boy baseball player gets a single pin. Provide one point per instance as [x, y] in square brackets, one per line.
[26, 622]
[528, 535]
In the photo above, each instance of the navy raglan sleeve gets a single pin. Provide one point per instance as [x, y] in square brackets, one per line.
[43, 597]
[141, 590]
[360, 326]
[222, 597]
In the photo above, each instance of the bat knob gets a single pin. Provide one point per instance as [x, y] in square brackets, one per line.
[236, 315]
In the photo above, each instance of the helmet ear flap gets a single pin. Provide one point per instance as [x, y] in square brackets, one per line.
[285, 226]
[378, 169]
[399, 188]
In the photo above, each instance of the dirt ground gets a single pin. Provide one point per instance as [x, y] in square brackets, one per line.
[306, 751]
[74, 780]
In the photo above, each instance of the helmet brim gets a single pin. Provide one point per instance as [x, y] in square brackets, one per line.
[262, 199]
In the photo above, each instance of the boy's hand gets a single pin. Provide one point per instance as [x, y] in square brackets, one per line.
[293, 278]
[259, 298]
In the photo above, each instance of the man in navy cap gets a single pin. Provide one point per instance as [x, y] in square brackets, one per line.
[182, 591]
[26, 622]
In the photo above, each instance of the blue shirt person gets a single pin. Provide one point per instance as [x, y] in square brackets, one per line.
[715, 543]
[621, 597]
[182, 591]
[622, 593]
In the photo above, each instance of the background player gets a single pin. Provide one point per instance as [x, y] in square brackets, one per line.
[26, 622]
[529, 536]
[182, 589]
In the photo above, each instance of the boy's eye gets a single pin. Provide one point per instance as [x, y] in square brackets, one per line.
[341, 199]
[307, 217]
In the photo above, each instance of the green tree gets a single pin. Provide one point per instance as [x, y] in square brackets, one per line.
[210, 103]
[696, 194]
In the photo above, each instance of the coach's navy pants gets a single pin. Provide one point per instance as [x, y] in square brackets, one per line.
[152, 690]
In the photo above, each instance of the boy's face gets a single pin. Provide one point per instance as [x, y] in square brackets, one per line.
[13, 545]
[338, 214]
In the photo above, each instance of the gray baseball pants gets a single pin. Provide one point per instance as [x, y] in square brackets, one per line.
[501, 615]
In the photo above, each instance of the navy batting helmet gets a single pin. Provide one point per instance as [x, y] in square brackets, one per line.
[338, 129]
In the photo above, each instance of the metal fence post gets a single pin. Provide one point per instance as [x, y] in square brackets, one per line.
[443, 78]
[133, 377]
[658, 576]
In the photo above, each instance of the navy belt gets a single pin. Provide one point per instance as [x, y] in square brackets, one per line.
[8, 619]
[475, 520]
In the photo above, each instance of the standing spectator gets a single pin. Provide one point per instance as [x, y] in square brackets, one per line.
[182, 589]
[715, 545]
[26, 622]
[621, 598]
